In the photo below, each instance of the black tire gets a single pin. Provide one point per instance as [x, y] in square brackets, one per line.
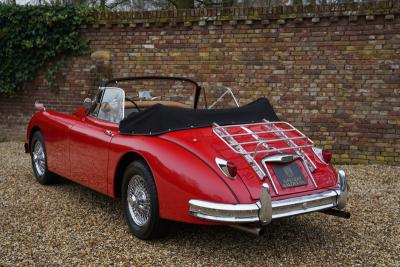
[43, 176]
[153, 227]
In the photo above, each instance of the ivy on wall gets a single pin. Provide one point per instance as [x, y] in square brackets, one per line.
[33, 36]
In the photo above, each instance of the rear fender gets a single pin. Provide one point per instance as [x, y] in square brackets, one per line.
[179, 175]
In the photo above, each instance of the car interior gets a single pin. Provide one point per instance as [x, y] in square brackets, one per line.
[115, 105]
[118, 98]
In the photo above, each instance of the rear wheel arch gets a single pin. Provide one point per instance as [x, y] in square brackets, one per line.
[38, 154]
[121, 166]
[33, 130]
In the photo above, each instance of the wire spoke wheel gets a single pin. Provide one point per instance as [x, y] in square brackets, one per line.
[140, 202]
[138, 198]
[39, 158]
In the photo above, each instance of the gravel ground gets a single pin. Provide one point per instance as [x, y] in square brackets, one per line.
[67, 224]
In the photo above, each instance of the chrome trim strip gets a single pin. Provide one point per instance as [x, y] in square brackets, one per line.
[281, 158]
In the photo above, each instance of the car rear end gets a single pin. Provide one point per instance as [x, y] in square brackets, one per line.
[285, 174]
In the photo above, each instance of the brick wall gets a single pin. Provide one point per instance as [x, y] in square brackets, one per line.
[331, 71]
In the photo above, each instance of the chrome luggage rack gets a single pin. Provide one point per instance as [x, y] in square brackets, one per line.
[250, 149]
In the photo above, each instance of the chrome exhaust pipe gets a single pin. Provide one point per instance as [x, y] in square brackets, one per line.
[258, 231]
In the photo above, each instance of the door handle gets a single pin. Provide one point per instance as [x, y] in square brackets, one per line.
[109, 133]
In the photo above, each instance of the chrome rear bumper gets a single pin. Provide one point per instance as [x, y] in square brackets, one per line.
[264, 210]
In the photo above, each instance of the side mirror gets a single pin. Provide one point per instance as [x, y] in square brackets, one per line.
[87, 103]
[39, 106]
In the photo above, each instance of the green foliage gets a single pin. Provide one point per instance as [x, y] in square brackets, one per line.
[51, 71]
[33, 36]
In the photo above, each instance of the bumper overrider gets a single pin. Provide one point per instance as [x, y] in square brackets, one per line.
[264, 210]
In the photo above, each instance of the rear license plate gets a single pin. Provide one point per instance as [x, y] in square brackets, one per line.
[289, 175]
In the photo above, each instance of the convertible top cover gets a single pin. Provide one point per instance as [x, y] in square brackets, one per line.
[160, 119]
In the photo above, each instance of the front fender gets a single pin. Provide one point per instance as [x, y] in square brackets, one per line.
[179, 175]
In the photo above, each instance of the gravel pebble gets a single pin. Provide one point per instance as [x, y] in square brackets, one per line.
[68, 224]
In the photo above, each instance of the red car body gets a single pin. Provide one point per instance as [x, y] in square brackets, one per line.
[93, 152]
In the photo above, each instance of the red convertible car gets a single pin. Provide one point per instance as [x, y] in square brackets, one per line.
[170, 160]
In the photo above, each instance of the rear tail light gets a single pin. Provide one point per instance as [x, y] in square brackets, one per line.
[323, 155]
[232, 169]
[327, 155]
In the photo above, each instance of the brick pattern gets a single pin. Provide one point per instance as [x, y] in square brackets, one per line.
[334, 74]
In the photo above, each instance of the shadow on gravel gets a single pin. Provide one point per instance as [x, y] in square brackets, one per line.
[297, 232]
[277, 231]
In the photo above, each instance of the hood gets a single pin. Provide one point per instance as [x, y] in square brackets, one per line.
[205, 144]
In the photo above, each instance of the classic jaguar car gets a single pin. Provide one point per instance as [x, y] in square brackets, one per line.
[170, 160]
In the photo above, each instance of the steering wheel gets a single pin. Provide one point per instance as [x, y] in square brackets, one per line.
[130, 99]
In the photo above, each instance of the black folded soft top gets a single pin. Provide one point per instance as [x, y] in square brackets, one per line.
[160, 119]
